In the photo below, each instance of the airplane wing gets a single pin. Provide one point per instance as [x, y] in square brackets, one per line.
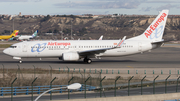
[16, 37]
[102, 50]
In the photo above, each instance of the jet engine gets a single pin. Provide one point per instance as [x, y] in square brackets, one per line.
[70, 56]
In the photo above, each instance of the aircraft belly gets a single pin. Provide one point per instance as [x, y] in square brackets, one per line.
[47, 53]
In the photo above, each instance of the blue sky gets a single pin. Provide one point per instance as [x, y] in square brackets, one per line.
[78, 7]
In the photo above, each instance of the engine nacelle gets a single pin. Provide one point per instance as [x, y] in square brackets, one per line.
[70, 56]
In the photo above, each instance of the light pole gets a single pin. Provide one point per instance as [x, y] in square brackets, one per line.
[13, 24]
[71, 29]
[73, 86]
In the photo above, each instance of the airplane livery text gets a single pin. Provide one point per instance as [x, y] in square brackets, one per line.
[155, 25]
[58, 44]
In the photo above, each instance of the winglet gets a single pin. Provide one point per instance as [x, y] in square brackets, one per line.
[121, 42]
[101, 37]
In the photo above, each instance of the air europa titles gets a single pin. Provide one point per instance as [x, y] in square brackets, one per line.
[58, 44]
[155, 25]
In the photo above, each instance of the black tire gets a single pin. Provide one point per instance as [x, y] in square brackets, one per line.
[20, 61]
[89, 61]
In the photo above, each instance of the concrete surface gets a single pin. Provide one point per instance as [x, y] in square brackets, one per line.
[155, 97]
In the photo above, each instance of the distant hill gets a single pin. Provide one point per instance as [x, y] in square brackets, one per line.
[85, 28]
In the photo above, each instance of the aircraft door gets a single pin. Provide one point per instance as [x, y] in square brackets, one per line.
[24, 47]
[77, 47]
[140, 46]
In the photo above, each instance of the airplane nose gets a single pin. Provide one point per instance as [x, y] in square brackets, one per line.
[6, 51]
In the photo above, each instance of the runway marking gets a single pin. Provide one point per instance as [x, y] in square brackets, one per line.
[130, 66]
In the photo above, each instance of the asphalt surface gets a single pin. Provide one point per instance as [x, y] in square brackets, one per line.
[122, 92]
[163, 57]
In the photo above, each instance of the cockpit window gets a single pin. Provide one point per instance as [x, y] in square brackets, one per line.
[12, 46]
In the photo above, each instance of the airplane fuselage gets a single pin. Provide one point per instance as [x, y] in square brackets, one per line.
[57, 48]
[25, 37]
[6, 37]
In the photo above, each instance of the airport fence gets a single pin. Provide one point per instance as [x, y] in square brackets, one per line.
[99, 91]
[26, 90]
[102, 80]
[127, 71]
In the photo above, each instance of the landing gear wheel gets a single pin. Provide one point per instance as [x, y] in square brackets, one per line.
[86, 60]
[89, 61]
[20, 61]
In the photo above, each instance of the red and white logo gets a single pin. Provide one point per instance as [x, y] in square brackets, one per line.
[58, 44]
[155, 25]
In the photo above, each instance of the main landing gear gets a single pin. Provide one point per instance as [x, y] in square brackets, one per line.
[87, 60]
[20, 61]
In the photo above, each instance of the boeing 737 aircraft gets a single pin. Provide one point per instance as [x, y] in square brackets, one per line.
[26, 37]
[74, 50]
[5, 37]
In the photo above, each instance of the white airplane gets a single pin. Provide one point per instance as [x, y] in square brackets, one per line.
[74, 50]
[26, 37]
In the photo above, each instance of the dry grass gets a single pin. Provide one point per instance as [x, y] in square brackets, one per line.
[5, 45]
[26, 76]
